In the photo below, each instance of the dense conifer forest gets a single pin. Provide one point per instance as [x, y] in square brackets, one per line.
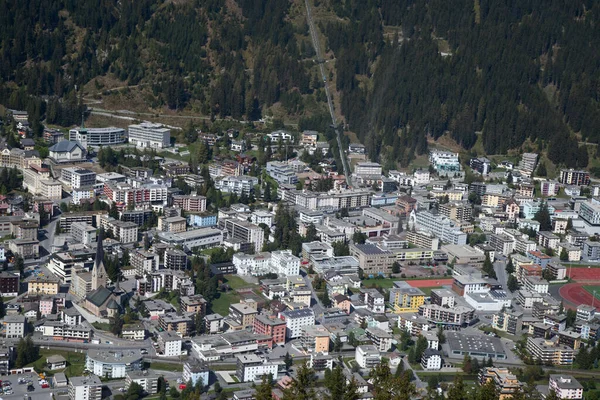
[496, 74]
[513, 70]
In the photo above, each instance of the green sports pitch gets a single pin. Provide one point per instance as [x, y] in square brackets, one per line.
[591, 289]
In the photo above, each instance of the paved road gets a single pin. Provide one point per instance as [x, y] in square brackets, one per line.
[319, 58]
[419, 384]
[500, 268]
[318, 305]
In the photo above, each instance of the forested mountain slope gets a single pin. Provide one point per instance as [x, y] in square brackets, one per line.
[516, 70]
[228, 58]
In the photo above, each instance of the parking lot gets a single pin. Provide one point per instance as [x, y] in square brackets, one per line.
[19, 390]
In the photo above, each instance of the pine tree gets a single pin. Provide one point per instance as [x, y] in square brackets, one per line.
[510, 268]
[335, 383]
[457, 390]
[264, 390]
[412, 356]
[325, 299]
[543, 217]
[302, 386]
[288, 361]
[487, 391]
[440, 335]
[113, 212]
[512, 283]
[541, 169]
[420, 347]
[20, 264]
[488, 267]
[467, 364]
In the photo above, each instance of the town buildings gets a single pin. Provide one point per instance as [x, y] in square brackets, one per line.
[150, 135]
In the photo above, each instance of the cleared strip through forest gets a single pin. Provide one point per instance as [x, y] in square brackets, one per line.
[319, 59]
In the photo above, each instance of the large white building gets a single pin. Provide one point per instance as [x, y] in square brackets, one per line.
[333, 200]
[97, 136]
[282, 172]
[440, 226]
[202, 238]
[281, 262]
[444, 161]
[113, 363]
[296, 320]
[431, 360]
[169, 344]
[251, 368]
[85, 388]
[239, 185]
[285, 263]
[195, 371]
[367, 168]
[14, 326]
[150, 135]
[244, 231]
[78, 178]
[252, 264]
[367, 356]
[565, 387]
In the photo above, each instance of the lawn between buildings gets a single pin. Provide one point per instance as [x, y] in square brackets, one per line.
[75, 362]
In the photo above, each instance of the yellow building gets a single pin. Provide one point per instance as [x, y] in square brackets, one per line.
[37, 286]
[315, 338]
[413, 254]
[453, 195]
[492, 200]
[406, 298]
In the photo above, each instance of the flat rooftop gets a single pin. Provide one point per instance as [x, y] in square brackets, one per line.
[474, 343]
[115, 356]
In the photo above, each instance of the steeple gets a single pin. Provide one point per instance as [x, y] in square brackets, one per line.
[99, 272]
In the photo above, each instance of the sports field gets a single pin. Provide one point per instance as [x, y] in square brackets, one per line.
[584, 274]
[591, 289]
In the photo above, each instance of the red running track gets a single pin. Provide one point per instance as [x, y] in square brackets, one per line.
[584, 274]
[430, 282]
[575, 294]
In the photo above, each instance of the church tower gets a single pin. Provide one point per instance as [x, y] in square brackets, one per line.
[99, 272]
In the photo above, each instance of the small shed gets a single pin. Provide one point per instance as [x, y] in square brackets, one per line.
[59, 380]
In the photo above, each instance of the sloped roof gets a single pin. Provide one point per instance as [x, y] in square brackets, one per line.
[65, 146]
[112, 304]
[99, 296]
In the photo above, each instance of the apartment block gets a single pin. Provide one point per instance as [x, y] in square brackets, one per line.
[85, 388]
[573, 177]
[149, 135]
[281, 172]
[549, 352]
[373, 260]
[296, 320]
[190, 203]
[457, 211]
[251, 368]
[506, 383]
[565, 387]
[547, 240]
[274, 327]
[244, 231]
[406, 298]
